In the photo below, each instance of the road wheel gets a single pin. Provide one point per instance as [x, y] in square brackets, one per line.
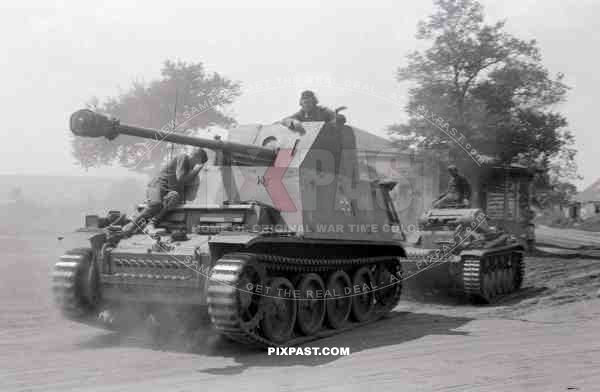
[487, 286]
[510, 279]
[280, 311]
[251, 278]
[311, 308]
[498, 286]
[363, 301]
[506, 280]
[338, 303]
[518, 269]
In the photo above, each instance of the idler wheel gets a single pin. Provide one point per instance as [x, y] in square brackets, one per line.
[338, 303]
[311, 304]
[363, 301]
[76, 283]
[87, 279]
[280, 311]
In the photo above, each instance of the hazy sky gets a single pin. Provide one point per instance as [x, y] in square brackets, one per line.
[56, 55]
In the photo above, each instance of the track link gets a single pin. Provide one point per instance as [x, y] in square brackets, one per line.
[225, 283]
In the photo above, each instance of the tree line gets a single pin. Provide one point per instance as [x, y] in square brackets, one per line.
[473, 85]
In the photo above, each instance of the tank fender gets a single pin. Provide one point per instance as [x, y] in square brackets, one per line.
[80, 239]
[478, 253]
[234, 239]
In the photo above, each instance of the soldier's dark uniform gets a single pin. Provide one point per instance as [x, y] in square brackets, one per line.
[167, 180]
[164, 191]
[319, 113]
[458, 190]
[310, 111]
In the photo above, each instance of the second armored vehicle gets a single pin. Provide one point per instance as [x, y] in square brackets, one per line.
[475, 252]
[457, 251]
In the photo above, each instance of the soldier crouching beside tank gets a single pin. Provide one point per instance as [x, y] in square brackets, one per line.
[166, 190]
[458, 194]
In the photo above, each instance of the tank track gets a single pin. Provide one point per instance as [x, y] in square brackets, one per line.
[493, 276]
[66, 287]
[224, 308]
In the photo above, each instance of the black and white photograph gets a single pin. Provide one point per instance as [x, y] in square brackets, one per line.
[272, 195]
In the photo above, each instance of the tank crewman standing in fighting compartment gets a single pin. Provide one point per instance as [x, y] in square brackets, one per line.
[167, 189]
[310, 111]
[458, 193]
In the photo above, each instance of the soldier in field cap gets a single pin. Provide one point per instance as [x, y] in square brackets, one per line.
[309, 111]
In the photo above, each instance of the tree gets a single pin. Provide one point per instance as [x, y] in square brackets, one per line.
[16, 194]
[558, 193]
[479, 91]
[186, 97]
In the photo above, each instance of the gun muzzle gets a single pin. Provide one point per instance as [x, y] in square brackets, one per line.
[87, 123]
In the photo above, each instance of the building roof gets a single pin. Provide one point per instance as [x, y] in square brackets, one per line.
[370, 141]
[591, 193]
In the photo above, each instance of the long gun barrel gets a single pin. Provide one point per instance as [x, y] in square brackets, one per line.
[88, 123]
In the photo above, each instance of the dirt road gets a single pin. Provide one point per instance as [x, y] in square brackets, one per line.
[567, 238]
[545, 338]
